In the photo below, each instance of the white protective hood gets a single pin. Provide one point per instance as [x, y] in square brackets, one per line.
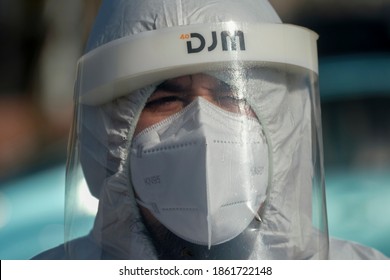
[294, 222]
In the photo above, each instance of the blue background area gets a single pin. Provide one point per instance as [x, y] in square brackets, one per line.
[32, 214]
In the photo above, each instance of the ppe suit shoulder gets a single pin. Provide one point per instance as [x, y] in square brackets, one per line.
[347, 250]
[87, 249]
[56, 253]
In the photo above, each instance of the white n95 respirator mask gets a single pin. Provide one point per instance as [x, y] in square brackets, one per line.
[202, 172]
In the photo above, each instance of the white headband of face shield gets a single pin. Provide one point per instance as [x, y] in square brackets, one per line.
[124, 65]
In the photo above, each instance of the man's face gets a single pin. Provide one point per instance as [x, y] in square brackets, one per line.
[173, 95]
[169, 98]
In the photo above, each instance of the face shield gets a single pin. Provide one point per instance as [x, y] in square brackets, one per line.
[198, 142]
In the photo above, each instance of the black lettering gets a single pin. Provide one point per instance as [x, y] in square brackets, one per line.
[125, 271]
[190, 48]
[232, 40]
[154, 180]
[214, 43]
[229, 42]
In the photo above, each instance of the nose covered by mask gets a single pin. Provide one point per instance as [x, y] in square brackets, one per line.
[202, 172]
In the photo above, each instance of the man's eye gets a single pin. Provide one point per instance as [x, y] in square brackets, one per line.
[165, 103]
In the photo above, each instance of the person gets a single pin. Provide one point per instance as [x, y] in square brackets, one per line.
[197, 127]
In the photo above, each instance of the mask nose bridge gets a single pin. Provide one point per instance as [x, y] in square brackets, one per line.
[196, 89]
[198, 109]
[193, 96]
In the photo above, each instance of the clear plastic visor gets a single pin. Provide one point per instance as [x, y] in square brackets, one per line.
[222, 163]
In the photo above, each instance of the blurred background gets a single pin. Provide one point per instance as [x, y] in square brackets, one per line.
[41, 41]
